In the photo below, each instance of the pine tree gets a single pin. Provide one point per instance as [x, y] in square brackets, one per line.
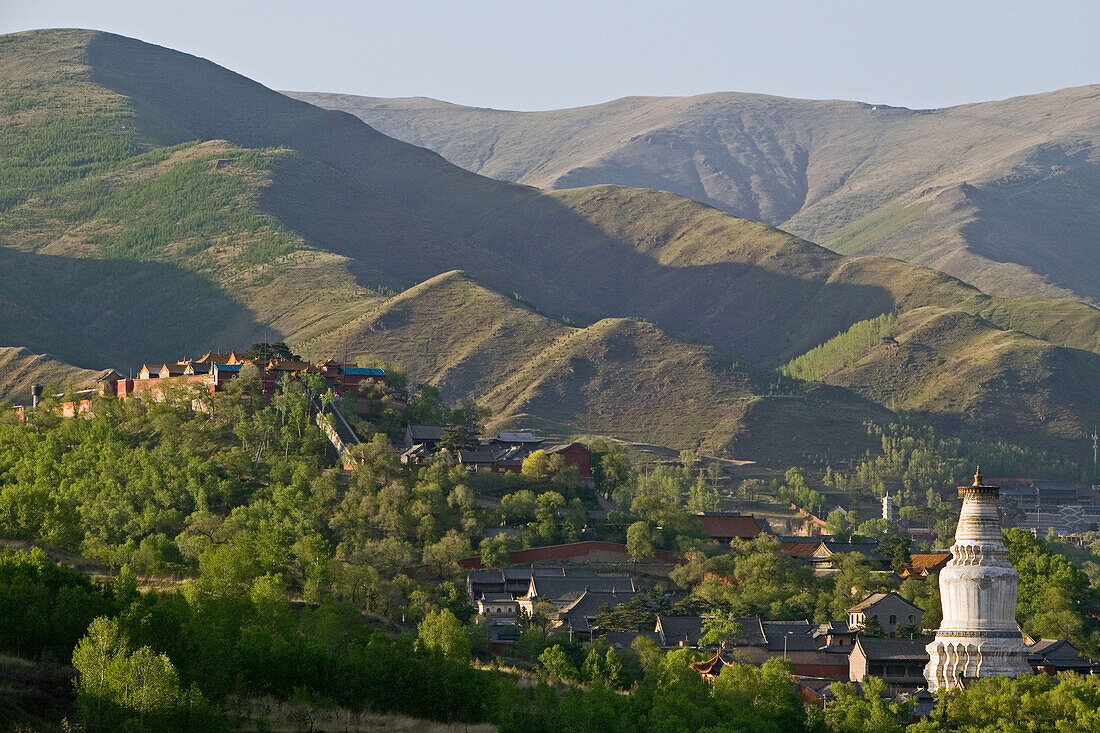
[872, 627]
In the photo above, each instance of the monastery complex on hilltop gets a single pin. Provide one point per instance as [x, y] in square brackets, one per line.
[209, 373]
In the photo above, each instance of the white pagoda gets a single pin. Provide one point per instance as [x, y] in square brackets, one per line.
[978, 636]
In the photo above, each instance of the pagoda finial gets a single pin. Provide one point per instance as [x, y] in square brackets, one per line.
[977, 475]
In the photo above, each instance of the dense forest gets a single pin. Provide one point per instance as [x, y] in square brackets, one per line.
[234, 561]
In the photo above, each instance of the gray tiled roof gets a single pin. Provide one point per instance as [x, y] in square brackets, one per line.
[485, 576]
[503, 634]
[516, 438]
[1056, 651]
[790, 635]
[623, 639]
[896, 650]
[421, 433]
[752, 632]
[547, 571]
[834, 627]
[481, 455]
[875, 598]
[578, 614]
[571, 586]
[676, 629]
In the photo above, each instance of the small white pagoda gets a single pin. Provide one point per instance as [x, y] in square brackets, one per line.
[979, 636]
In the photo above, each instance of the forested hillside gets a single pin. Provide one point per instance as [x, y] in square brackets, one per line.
[245, 580]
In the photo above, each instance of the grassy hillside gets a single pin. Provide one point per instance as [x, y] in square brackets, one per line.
[618, 376]
[182, 207]
[273, 183]
[748, 288]
[998, 194]
[20, 368]
[963, 372]
[449, 331]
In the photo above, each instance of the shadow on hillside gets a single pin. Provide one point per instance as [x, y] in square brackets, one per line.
[114, 313]
[403, 212]
[1046, 219]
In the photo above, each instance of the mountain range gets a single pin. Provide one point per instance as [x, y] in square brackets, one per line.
[154, 205]
[999, 194]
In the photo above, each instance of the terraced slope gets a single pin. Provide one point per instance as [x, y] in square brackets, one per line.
[999, 194]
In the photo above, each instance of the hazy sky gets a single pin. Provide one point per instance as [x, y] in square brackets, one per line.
[515, 54]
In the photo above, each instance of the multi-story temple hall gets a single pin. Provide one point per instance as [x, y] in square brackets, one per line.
[979, 636]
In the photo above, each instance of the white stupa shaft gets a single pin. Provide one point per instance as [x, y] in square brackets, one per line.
[979, 636]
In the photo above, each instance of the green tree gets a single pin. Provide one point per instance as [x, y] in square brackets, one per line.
[536, 465]
[852, 582]
[925, 593]
[519, 506]
[442, 631]
[719, 628]
[909, 630]
[494, 550]
[133, 690]
[639, 541]
[397, 377]
[555, 665]
[446, 553]
[880, 529]
[649, 655]
[1052, 590]
[1039, 702]
[264, 351]
[601, 666]
[467, 413]
[838, 524]
[46, 607]
[426, 406]
[761, 698]
[898, 550]
[872, 628]
[458, 437]
[866, 712]
[703, 496]
[612, 669]
[757, 577]
[592, 668]
[795, 479]
[750, 490]
[125, 585]
[611, 469]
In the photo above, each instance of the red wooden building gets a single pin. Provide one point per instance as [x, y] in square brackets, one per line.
[574, 454]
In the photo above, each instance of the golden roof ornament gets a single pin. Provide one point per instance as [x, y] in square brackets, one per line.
[977, 475]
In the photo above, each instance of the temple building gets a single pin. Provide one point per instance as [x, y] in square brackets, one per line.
[979, 636]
